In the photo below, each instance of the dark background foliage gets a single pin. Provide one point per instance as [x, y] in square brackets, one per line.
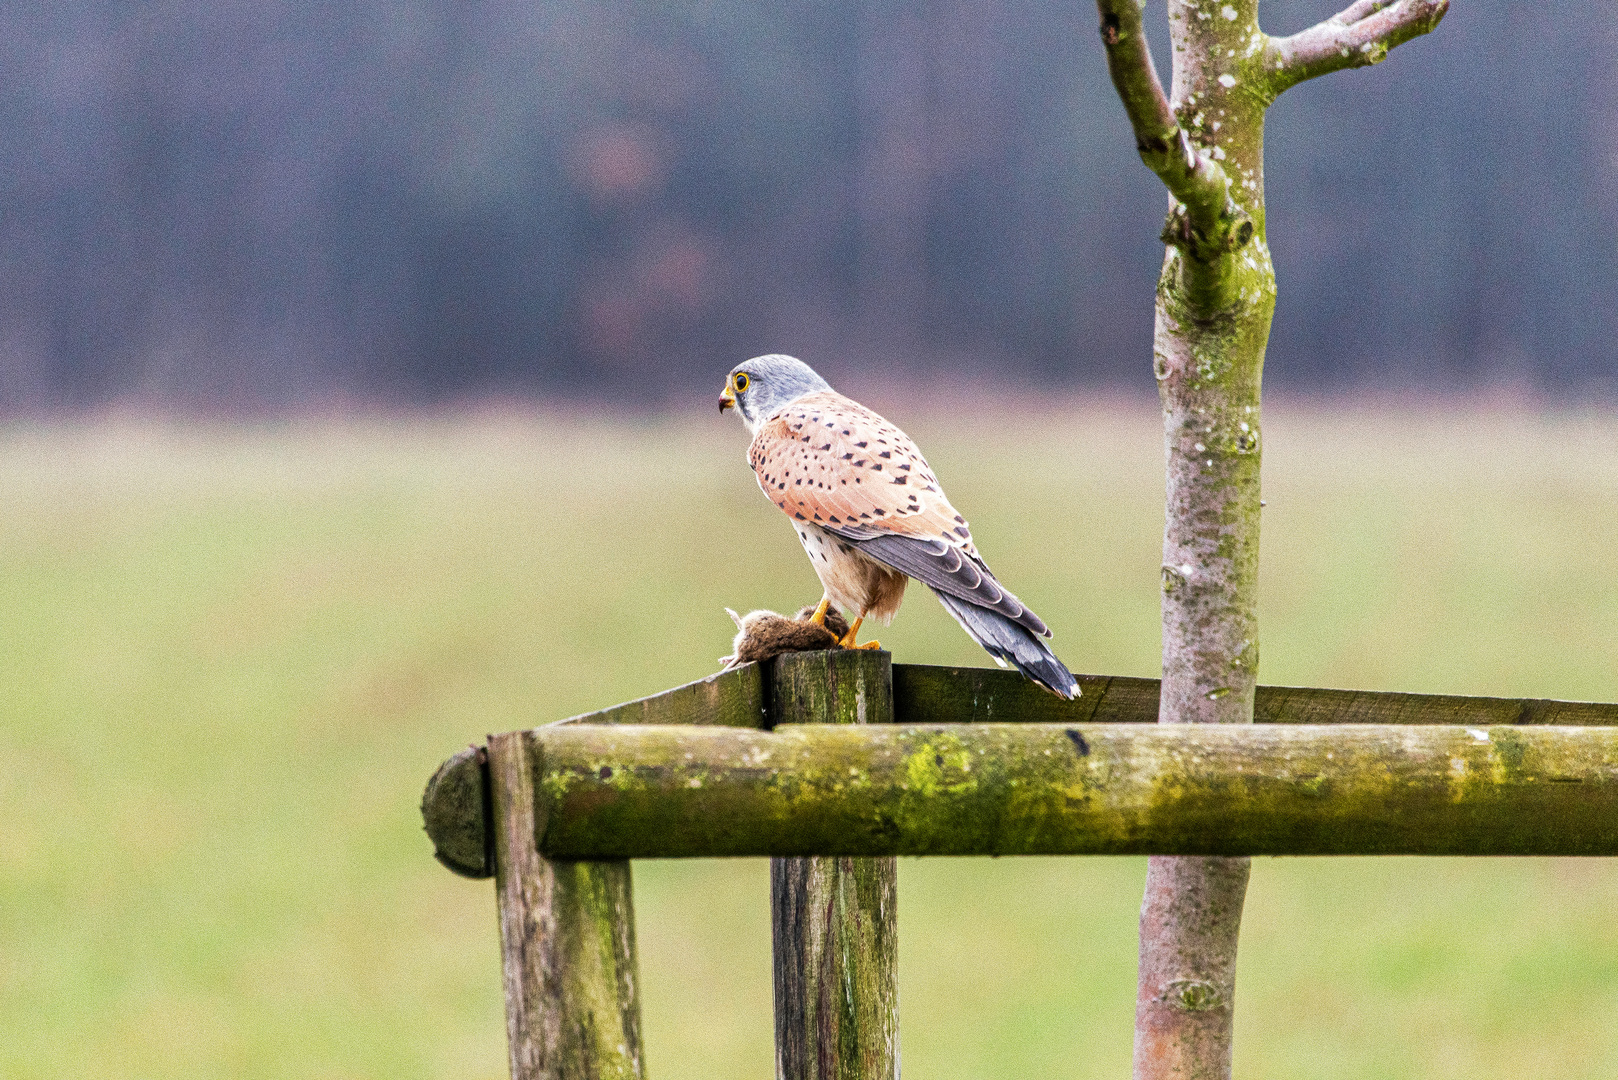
[277, 202]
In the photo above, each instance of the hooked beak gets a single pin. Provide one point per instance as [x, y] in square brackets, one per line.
[727, 399]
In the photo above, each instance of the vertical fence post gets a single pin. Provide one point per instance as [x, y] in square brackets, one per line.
[567, 939]
[834, 920]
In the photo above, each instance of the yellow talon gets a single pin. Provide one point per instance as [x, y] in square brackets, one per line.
[819, 617]
[848, 639]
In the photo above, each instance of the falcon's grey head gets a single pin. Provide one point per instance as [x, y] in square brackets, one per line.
[761, 386]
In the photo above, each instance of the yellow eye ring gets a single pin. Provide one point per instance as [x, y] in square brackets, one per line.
[742, 382]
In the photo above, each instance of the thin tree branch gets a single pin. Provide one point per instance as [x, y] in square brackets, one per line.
[1360, 34]
[1211, 224]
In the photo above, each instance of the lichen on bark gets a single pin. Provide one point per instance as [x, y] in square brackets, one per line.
[1215, 299]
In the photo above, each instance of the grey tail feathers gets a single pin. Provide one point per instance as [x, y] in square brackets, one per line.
[1013, 643]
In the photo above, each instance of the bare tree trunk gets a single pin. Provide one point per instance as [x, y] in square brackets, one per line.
[1215, 299]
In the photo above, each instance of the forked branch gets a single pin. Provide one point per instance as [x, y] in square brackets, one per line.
[1212, 224]
[1360, 34]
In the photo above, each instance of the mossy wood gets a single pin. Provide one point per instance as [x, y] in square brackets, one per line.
[1216, 294]
[455, 806]
[944, 695]
[732, 698]
[455, 809]
[567, 938]
[834, 919]
[1038, 789]
[925, 694]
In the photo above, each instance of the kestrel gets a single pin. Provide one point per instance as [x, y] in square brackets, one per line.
[871, 515]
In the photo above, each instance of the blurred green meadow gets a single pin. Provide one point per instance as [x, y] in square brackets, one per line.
[230, 656]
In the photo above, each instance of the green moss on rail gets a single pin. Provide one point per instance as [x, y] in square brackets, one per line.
[1003, 789]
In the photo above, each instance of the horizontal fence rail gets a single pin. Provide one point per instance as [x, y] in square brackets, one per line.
[834, 762]
[925, 694]
[1432, 797]
[1040, 789]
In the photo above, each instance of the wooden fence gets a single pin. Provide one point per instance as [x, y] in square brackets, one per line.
[835, 762]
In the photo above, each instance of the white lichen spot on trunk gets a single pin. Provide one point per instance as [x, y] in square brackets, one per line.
[1215, 299]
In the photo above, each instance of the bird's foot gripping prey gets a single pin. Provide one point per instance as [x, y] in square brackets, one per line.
[764, 635]
[871, 515]
[850, 636]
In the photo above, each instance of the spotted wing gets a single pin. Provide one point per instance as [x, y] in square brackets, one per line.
[832, 462]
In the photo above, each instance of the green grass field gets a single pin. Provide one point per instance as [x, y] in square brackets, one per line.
[231, 656]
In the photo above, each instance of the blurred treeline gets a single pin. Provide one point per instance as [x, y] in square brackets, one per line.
[278, 201]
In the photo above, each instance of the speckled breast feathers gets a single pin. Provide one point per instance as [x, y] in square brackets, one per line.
[868, 509]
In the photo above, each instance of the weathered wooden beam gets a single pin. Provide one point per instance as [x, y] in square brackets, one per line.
[1027, 789]
[455, 809]
[834, 921]
[733, 698]
[943, 695]
[924, 694]
[567, 939]
[1306, 705]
